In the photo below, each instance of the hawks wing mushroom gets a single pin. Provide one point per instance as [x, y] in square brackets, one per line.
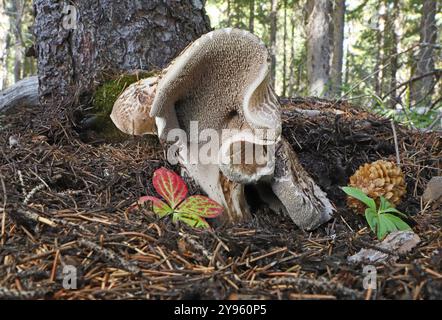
[221, 82]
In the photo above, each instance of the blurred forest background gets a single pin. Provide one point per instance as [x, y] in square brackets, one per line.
[384, 55]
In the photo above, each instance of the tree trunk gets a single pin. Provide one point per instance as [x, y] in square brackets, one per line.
[252, 16]
[390, 64]
[4, 44]
[348, 58]
[379, 56]
[421, 90]
[394, 54]
[292, 57]
[5, 70]
[338, 46]
[81, 45]
[284, 66]
[319, 48]
[273, 30]
[17, 7]
[229, 13]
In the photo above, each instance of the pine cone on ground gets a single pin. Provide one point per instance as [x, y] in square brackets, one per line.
[380, 178]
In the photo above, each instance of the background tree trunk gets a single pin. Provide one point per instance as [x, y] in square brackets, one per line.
[420, 91]
[107, 38]
[273, 30]
[390, 50]
[393, 53]
[379, 26]
[4, 44]
[319, 49]
[284, 54]
[17, 7]
[292, 58]
[252, 16]
[338, 46]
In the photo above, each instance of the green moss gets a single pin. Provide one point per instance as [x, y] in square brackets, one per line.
[98, 118]
[106, 94]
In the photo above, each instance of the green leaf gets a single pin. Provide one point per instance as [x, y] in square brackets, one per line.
[360, 195]
[393, 210]
[387, 207]
[390, 225]
[382, 229]
[201, 206]
[385, 226]
[192, 220]
[384, 204]
[398, 222]
[158, 206]
[371, 217]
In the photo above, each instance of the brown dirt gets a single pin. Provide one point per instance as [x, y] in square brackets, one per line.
[76, 215]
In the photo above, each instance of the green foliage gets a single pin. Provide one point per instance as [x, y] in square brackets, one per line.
[419, 116]
[381, 220]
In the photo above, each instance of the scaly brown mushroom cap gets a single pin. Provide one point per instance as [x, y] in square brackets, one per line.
[130, 113]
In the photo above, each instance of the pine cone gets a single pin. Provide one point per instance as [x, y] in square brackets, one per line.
[380, 178]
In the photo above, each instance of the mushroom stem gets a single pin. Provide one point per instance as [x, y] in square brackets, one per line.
[220, 189]
[306, 204]
[234, 201]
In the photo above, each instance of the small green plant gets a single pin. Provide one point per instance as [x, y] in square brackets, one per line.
[381, 220]
[191, 210]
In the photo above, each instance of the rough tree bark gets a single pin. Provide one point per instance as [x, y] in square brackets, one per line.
[420, 91]
[319, 48]
[79, 48]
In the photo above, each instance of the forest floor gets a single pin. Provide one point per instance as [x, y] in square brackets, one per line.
[64, 203]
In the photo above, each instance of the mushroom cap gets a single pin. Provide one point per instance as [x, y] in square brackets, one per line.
[222, 81]
[222, 76]
[130, 113]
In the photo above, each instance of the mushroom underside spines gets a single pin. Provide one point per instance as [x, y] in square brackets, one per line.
[225, 65]
[218, 74]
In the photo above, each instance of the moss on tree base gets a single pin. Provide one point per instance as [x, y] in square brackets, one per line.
[96, 124]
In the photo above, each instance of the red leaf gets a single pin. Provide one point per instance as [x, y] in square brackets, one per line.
[200, 206]
[170, 186]
[158, 206]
